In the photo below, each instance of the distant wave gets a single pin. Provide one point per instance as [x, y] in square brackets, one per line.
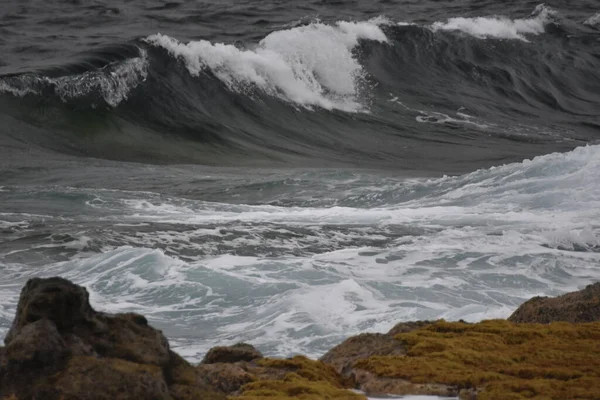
[499, 26]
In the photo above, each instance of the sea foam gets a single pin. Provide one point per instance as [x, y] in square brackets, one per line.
[112, 83]
[500, 27]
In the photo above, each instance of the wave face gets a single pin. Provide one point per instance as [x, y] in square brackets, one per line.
[337, 93]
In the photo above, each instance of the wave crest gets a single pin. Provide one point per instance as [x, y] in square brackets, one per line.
[311, 65]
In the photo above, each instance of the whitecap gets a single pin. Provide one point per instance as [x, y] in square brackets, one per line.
[500, 27]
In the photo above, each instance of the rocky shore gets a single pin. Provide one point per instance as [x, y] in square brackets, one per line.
[59, 347]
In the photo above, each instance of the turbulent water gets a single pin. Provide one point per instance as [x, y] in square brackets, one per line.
[290, 173]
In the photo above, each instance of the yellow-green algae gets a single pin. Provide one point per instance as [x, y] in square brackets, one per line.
[506, 360]
[304, 379]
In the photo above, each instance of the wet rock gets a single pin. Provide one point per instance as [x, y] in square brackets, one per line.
[231, 354]
[580, 306]
[59, 347]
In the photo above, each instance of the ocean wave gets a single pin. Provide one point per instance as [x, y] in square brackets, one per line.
[112, 84]
[500, 27]
[311, 65]
[593, 20]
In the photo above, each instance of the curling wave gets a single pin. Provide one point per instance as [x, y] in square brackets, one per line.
[311, 65]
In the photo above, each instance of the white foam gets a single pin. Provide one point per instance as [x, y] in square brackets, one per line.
[113, 83]
[301, 279]
[500, 27]
[593, 20]
[311, 65]
[15, 90]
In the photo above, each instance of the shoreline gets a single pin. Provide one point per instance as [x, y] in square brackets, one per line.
[59, 347]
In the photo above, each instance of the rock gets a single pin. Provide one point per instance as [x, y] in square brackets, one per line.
[405, 327]
[54, 299]
[187, 383]
[580, 306]
[59, 347]
[382, 386]
[187, 392]
[293, 378]
[38, 344]
[343, 356]
[225, 377]
[110, 379]
[231, 354]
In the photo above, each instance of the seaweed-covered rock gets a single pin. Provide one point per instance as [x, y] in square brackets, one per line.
[109, 379]
[296, 378]
[226, 377]
[580, 306]
[232, 354]
[495, 360]
[59, 347]
[343, 356]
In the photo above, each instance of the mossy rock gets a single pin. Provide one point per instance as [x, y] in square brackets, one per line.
[232, 354]
[294, 386]
[579, 306]
[504, 359]
[94, 378]
[296, 378]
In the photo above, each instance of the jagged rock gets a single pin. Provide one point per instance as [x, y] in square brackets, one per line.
[59, 347]
[57, 300]
[580, 306]
[231, 354]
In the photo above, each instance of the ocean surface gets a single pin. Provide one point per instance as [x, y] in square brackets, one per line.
[290, 173]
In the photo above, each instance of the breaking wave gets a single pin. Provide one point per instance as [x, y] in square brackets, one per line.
[321, 90]
[310, 65]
